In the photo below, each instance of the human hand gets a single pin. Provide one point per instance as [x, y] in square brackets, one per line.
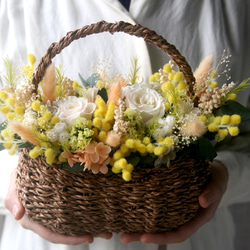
[209, 200]
[13, 204]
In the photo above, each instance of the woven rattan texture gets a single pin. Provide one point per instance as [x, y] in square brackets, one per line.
[156, 200]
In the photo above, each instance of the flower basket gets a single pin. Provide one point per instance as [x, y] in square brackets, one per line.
[152, 186]
[155, 200]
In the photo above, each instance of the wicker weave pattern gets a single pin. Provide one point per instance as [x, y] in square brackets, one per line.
[156, 200]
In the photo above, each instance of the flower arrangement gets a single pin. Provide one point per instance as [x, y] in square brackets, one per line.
[112, 124]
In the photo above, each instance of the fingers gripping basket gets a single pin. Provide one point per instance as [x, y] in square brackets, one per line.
[155, 200]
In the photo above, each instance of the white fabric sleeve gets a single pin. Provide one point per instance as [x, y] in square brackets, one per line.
[238, 166]
[8, 164]
[235, 155]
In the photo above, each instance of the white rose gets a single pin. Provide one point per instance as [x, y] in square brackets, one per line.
[145, 100]
[90, 94]
[72, 107]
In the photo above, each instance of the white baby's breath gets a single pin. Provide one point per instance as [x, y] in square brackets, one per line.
[166, 126]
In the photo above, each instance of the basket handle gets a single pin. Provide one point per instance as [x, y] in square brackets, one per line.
[137, 30]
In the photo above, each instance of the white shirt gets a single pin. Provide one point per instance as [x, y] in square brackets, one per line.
[197, 28]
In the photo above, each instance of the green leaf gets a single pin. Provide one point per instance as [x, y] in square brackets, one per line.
[240, 86]
[133, 159]
[200, 149]
[1, 147]
[206, 149]
[103, 93]
[233, 107]
[85, 84]
[3, 125]
[91, 81]
[148, 159]
[25, 145]
[76, 167]
[217, 112]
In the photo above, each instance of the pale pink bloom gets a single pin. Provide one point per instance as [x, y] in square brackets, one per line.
[113, 139]
[102, 150]
[71, 158]
[193, 128]
[95, 156]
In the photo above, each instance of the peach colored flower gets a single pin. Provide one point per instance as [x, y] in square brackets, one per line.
[71, 158]
[193, 128]
[95, 156]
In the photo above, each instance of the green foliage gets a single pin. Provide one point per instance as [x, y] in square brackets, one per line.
[200, 149]
[10, 72]
[90, 82]
[103, 94]
[153, 126]
[206, 149]
[231, 108]
[59, 74]
[25, 145]
[77, 167]
[147, 159]
[243, 85]
[133, 159]
[84, 83]
[2, 127]
[134, 71]
[136, 159]
[80, 134]
[136, 129]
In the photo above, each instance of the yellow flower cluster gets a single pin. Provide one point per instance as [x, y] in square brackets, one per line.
[9, 108]
[103, 118]
[35, 152]
[144, 147]
[45, 119]
[49, 153]
[46, 147]
[29, 68]
[172, 83]
[222, 125]
[123, 166]
[9, 138]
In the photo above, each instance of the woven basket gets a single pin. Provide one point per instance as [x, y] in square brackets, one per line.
[155, 200]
